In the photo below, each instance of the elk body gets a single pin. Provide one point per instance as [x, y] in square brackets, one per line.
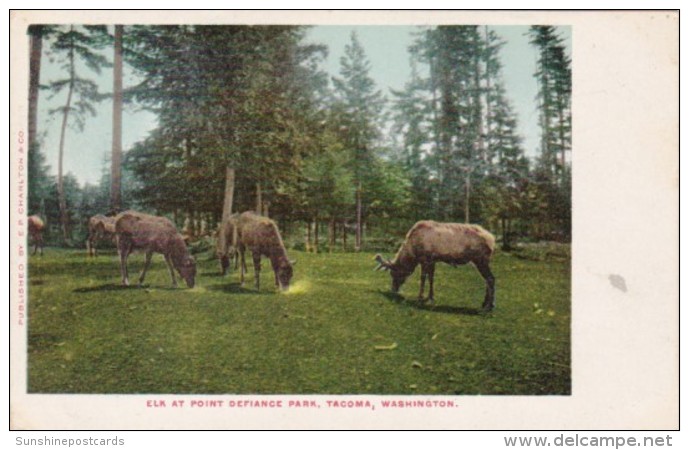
[153, 234]
[100, 228]
[36, 227]
[429, 242]
[226, 244]
[261, 237]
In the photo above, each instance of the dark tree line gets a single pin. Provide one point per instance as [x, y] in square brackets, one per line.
[246, 119]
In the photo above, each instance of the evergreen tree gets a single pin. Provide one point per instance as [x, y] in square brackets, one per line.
[327, 183]
[453, 54]
[248, 99]
[554, 92]
[460, 119]
[75, 44]
[39, 180]
[412, 121]
[362, 107]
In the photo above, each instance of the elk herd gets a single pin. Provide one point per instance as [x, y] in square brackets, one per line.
[426, 243]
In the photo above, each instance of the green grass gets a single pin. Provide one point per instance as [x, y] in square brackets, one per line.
[335, 335]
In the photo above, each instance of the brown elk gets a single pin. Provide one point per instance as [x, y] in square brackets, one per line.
[100, 228]
[261, 236]
[428, 242]
[226, 243]
[139, 231]
[36, 227]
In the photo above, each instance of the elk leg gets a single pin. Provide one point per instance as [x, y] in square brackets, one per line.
[147, 262]
[484, 270]
[172, 270]
[431, 274]
[242, 260]
[90, 245]
[123, 249]
[423, 281]
[224, 263]
[36, 243]
[257, 268]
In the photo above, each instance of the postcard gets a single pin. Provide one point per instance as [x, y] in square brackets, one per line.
[248, 220]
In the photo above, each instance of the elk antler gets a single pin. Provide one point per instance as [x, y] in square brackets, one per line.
[382, 264]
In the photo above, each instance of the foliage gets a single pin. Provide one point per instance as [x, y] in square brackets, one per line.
[69, 45]
[320, 149]
[460, 142]
[554, 97]
[360, 105]
[248, 102]
[40, 180]
[328, 180]
[74, 45]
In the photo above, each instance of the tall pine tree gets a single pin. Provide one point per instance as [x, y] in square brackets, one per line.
[75, 44]
[362, 106]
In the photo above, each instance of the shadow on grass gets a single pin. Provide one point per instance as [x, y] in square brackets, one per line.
[214, 274]
[42, 341]
[446, 309]
[105, 287]
[236, 288]
[133, 287]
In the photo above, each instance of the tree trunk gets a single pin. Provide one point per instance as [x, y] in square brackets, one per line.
[344, 236]
[506, 233]
[487, 122]
[189, 223]
[331, 234]
[478, 107]
[307, 242]
[36, 43]
[266, 208]
[229, 194]
[315, 235]
[62, 200]
[259, 199]
[357, 242]
[116, 163]
[467, 191]
[561, 127]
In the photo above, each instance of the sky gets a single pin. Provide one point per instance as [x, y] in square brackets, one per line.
[87, 151]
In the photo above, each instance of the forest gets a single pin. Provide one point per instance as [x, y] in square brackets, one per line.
[247, 119]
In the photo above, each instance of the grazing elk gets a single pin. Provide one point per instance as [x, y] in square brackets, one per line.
[36, 227]
[428, 242]
[100, 228]
[261, 236]
[226, 243]
[138, 231]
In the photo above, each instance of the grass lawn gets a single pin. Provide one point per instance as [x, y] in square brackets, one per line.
[339, 331]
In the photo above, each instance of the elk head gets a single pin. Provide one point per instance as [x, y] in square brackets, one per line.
[187, 270]
[284, 273]
[398, 274]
